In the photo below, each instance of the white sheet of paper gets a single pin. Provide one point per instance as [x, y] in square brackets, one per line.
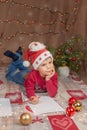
[45, 105]
[5, 107]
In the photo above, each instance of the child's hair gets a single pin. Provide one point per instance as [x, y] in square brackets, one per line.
[36, 54]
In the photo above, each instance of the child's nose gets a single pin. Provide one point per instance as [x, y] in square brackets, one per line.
[48, 66]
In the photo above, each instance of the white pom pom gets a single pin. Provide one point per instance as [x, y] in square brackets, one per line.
[36, 46]
[26, 63]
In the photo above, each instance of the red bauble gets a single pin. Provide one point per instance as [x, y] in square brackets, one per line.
[73, 58]
[70, 111]
[71, 101]
[70, 48]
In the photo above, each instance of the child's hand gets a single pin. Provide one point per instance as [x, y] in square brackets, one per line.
[52, 72]
[34, 99]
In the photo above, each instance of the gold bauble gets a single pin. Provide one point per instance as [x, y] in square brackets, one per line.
[25, 118]
[77, 105]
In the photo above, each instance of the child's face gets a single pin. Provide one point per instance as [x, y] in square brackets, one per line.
[46, 67]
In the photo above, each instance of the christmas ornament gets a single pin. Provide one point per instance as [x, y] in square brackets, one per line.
[77, 106]
[67, 51]
[70, 111]
[73, 58]
[25, 118]
[70, 48]
[71, 100]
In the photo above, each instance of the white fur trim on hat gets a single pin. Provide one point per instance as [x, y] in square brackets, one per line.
[26, 63]
[36, 46]
[41, 58]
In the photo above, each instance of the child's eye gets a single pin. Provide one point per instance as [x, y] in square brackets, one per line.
[43, 65]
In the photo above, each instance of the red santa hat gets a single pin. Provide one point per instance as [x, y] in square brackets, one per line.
[36, 54]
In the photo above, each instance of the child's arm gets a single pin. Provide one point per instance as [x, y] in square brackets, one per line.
[30, 90]
[52, 85]
[29, 85]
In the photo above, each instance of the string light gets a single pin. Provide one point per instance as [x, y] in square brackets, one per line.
[61, 19]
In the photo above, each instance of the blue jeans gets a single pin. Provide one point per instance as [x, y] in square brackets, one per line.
[16, 71]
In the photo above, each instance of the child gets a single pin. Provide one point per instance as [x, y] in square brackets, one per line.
[43, 77]
[16, 71]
